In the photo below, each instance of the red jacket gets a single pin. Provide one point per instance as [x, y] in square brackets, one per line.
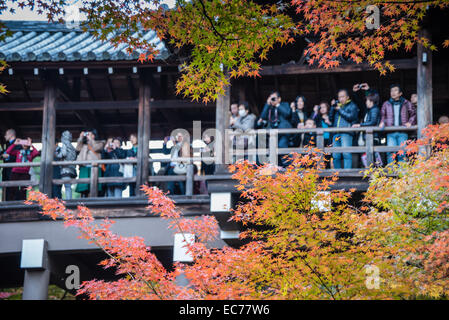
[19, 153]
[407, 113]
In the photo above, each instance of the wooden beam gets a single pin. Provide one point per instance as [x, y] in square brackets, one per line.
[104, 105]
[48, 137]
[301, 69]
[424, 85]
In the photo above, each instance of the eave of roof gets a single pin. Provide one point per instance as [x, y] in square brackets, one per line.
[43, 41]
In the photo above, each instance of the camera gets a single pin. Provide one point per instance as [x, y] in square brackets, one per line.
[273, 99]
[23, 142]
[85, 137]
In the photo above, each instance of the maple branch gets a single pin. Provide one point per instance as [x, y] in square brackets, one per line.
[127, 272]
[317, 275]
[212, 24]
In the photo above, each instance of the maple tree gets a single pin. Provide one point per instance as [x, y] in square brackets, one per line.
[340, 29]
[303, 241]
[234, 36]
[419, 194]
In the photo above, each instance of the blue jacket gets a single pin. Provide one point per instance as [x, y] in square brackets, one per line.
[346, 116]
[284, 115]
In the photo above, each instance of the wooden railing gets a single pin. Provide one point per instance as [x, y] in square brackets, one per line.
[272, 151]
[95, 179]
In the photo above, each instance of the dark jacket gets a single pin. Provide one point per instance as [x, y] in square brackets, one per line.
[113, 169]
[359, 99]
[407, 113]
[131, 153]
[6, 172]
[346, 116]
[296, 118]
[372, 117]
[281, 115]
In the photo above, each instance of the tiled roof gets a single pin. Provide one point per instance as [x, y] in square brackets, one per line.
[43, 41]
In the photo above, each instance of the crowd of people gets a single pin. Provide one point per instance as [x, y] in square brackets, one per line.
[360, 107]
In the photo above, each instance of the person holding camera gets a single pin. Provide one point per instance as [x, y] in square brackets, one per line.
[344, 114]
[276, 115]
[10, 137]
[299, 118]
[89, 149]
[24, 153]
[113, 150]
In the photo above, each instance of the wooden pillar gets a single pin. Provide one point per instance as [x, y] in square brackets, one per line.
[424, 84]
[143, 132]
[221, 124]
[48, 138]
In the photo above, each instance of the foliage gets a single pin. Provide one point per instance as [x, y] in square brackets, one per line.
[341, 33]
[3, 66]
[303, 241]
[218, 39]
[420, 190]
[316, 246]
[419, 194]
[54, 293]
[144, 277]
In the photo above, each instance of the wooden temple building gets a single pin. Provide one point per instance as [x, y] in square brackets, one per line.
[61, 78]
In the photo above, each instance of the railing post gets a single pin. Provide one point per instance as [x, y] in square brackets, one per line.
[369, 142]
[189, 179]
[320, 145]
[94, 180]
[320, 139]
[273, 146]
